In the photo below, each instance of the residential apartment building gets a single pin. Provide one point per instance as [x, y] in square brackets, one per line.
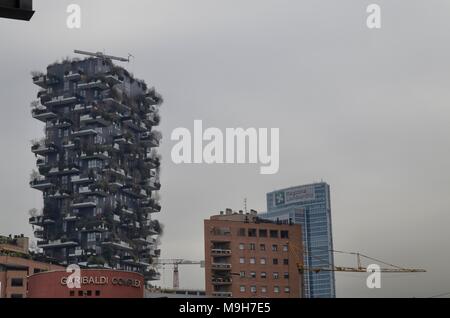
[98, 166]
[249, 257]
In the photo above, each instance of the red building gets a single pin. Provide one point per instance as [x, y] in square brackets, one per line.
[94, 283]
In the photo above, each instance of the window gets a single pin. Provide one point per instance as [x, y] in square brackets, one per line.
[284, 234]
[242, 289]
[91, 237]
[17, 282]
[275, 261]
[263, 289]
[252, 232]
[89, 293]
[253, 274]
[275, 275]
[287, 290]
[276, 289]
[286, 261]
[274, 248]
[242, 246]
[253, 289]
[80, 293]
[273, 233]
[16, 296]
[241, 232]
[242, 260]
[263, 275]
[97, 293]
[262, 233]
[252, 246]
[242, 274]
[285, 248]
[252, 260]
[286, 275]
[72, 293]
[262, 247]
[263, 261]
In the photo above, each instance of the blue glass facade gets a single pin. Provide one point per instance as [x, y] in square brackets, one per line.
[309, 206]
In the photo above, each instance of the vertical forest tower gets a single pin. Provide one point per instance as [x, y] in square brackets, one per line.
[98, 166]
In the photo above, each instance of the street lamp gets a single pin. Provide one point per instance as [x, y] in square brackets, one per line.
[16, 9]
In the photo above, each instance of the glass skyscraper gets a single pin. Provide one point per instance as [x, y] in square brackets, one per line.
[309, 205]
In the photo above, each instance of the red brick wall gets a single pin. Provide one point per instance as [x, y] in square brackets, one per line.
[294, 257]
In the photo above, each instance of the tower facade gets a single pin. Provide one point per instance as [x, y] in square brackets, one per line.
[98, 166]
[309, 206]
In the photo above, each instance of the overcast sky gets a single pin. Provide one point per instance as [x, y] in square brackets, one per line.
[365, 110]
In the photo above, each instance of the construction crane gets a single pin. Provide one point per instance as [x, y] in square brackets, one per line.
[176, 263]
[103, 56]
[359, 269]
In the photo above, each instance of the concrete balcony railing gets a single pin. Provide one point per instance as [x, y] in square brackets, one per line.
[220, 252]
[42, 114]
[222, 294]
[221, 266]
[41, 184]
[42, 149]
[72, 76]
[222, 281]
[61, 101]
[93, 84]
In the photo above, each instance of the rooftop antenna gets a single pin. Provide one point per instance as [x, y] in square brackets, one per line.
[245, 205]
[104, 56]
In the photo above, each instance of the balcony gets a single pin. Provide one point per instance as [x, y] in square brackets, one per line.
[84, 132]
[88, 190]
[113, 79]
[152, 162]
[221, 266]
[71, 217]
[150, 206]
[73, 76]
[89, 119]
[63, 123]
[220, 252]
[135, 125]
[93, 85]
[120, 245]
[80, 107]
[84, 204]
[127, 211]
[57, 244]
[152, 184]
[150, 139]
[61, 101]
[40, 81]
[40, 220]
[41, 184]
[39, 234]
[82, 180]
[220, 281]
[96, 155]
[119, 106]
[60, 195]
[42, 114]
[42, 149]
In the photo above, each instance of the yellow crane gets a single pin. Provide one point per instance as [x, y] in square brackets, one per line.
[359, 269]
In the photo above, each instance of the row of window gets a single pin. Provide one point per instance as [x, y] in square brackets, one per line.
[87, 293]
[262, 247]
[263, 233]
[263, 275]
[253, 289]
[263, 261]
